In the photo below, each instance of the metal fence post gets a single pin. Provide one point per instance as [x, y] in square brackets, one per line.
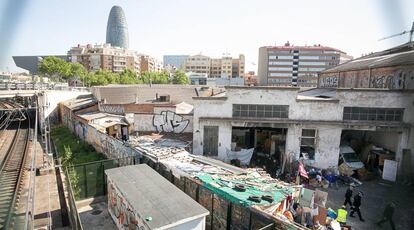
[86, 179]
[103, 177]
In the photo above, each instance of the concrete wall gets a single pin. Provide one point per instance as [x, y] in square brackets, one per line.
[51, 99]
[145, 122]
[325, 117]
[197, 224]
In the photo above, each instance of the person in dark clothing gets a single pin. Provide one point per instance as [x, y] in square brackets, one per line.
[348, 196]
[387, 216]
[357, 204]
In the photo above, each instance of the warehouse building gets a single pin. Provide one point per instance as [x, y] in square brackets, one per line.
[284, 122]
[389, 69]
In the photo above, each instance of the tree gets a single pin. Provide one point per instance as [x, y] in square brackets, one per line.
[154, 78]
[55, 68]
[128, 77]
[180, 78]
[101, 77]
[77, 71]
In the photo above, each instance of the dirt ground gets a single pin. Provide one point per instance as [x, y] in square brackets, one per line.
[377, 194]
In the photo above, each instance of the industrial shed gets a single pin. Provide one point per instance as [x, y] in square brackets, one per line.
[140, 198]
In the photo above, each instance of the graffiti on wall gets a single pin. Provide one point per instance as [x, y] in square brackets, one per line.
[114, 109]
[399, 80]
[169, 121]
[327, 82]
[122, 212]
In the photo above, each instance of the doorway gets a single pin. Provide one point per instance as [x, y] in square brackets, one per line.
[210, 146]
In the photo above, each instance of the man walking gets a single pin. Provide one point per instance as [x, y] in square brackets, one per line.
[342, 215]
[387, 216]
[348, 196]
[357, 204]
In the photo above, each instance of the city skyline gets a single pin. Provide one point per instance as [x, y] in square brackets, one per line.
[163, 28]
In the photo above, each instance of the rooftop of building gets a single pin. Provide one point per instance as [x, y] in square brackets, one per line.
[80, 102]
[399, 55]
[147, 94]
[321, 94]
[288, 46]
[304, 94]
[161, 204]
[101, 120]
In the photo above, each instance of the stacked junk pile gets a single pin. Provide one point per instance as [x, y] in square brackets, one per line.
[236, 198]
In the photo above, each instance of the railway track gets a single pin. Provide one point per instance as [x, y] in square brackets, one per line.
[6, 139]
[11, 172]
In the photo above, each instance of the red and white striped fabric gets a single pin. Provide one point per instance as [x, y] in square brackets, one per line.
[302, 170]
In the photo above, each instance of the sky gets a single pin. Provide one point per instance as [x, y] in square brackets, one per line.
[210, 27]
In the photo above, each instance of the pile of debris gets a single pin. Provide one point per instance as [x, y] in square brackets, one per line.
[250, 190]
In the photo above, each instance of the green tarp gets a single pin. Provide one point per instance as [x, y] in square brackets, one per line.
[241, 198]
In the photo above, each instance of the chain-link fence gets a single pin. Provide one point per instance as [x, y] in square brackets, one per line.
[89, 180]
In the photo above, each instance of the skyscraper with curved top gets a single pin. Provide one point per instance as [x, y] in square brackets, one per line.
[117, 28]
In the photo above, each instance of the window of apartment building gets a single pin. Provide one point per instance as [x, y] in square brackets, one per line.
[312, 63]
[280, 57]
[280, 51]
[280, 75]
[280, 63]
[280, 68]
[310, 69]
[310, 51]
[261, 111]
[373, 114]
[308, 143]
[309, 57]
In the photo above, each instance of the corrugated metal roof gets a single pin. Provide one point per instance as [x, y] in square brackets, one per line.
[81, 102]
[381, 59]
[151, 195]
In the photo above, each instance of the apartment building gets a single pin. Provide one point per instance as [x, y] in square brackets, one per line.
[150, 64]
[290, 65]
[250, 78]
[225, 67]
[95, 57]
[176, 61]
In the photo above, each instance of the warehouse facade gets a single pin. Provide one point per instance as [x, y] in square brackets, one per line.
[315, 123]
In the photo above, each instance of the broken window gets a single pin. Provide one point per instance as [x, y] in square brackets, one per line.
[373, 114]
[308, 144]
[267, 111]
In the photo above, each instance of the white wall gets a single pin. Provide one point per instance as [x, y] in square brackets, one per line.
[197, 224]
[302, 111]
[51, 99]
[144, 122]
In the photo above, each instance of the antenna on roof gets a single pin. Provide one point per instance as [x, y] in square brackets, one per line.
[402, 33]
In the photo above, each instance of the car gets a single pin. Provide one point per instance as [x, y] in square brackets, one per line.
[348, 156]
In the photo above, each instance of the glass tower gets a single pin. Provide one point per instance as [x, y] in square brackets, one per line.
[117, 28]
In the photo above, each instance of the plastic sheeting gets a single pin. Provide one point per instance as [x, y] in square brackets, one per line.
[244, 155]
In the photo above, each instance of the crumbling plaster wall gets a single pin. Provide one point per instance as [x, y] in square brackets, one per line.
[329, 136]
